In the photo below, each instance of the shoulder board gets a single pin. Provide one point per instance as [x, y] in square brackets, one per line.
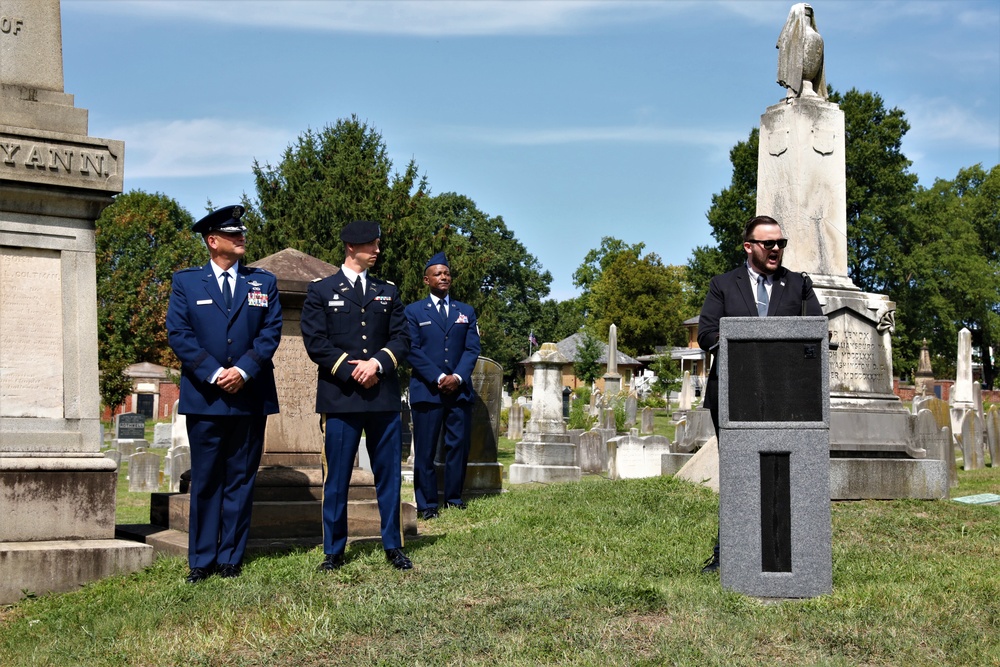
[315, 280]
[255, 269]
[389, 282]
[190, 269]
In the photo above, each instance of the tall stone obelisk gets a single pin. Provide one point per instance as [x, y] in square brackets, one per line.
[802, 184]
[57, 491]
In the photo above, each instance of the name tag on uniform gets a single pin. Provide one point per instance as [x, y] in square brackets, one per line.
[258, 299]
[203, 302]
[422, 324]
[336, 302]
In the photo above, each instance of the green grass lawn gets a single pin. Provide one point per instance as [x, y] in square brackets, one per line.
[592, 573]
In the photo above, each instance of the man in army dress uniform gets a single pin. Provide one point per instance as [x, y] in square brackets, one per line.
[354, 329]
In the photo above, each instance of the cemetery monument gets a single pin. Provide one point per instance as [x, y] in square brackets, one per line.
[56, 487]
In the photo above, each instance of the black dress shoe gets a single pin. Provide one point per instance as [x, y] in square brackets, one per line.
[398, 559]
[198, 574]
[458, 506]
[431, 513]
[230, 570]
[331, 562]
[711, 565]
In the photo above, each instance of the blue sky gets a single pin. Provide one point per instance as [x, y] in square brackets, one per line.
[571, 120]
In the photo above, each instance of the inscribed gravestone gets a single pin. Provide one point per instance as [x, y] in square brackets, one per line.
[592, 453]
[647, 422]
[607, 420]
[993, 435]
[515, 422]
[483, 474]
[144, 472]
[937, 442]
[180, 463]
[131, 426]
[972, 441]
[31, 349]
[631, 406]
[162, 435]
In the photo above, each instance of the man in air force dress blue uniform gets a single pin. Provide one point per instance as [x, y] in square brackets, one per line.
[354, 329]
[444, 349]
[224, 324]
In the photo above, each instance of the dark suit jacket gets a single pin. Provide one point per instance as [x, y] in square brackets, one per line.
[205, 337]
[337, 328]
[732, 295]
[438, 347]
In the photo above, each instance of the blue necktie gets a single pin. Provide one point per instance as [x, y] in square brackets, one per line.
[227, 291]
[761, 297]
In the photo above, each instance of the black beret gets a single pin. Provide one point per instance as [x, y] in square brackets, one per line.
[225, 219]
[360, 231]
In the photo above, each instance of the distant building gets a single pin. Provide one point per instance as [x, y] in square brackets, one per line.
[628, 367]
[153, 392]
[691, 358]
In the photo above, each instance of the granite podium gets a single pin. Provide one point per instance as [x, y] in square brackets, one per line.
[774, 456]
[57, 490]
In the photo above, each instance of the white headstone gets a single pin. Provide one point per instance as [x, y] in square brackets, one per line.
[993, 435]
[686, 392]
[179, 463]
[962, 390]
[144, 472]
[163, 435]
[972, 441]
[648, 421]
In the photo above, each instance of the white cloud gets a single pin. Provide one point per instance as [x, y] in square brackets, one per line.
[943, 120]
[198, 148]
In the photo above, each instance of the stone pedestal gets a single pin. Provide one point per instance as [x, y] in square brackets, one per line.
[57, 489]
[546, 454]
[802, 184]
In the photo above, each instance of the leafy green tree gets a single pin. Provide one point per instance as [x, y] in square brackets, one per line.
[597, 260]
[667, 372]
[587, 366]
[729, 213]
[949, 280]
[559, 319]
[343, 173]
[141, 239]
[327, 179]
[879, 189]
[646, 299]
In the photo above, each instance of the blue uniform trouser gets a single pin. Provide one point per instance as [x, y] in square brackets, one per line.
[225, 455]
[428, 421]
[383, 437]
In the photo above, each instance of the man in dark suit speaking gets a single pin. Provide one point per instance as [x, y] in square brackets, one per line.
[224, 324]
[444, 349]
[354, 329]
[760, 288]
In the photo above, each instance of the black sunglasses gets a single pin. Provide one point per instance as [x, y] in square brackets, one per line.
[770, 243]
